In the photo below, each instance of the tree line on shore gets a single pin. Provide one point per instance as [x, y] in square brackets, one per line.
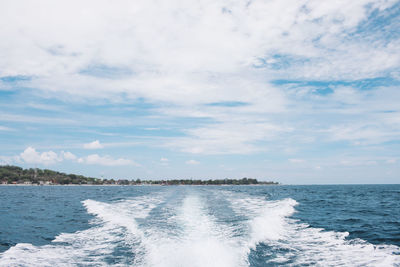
[17, 175]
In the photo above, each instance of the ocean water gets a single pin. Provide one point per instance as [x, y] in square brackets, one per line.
[338, 225]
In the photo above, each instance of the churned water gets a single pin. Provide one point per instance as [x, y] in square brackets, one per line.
[338, 225]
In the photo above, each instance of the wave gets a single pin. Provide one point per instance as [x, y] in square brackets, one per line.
[188, 228]
[202, 241]
[114, 227]
[285, 241]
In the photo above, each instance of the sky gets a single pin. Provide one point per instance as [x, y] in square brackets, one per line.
[295, 91]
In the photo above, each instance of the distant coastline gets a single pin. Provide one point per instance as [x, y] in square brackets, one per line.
[17, 176]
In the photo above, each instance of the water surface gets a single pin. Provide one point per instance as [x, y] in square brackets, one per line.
[338, 225]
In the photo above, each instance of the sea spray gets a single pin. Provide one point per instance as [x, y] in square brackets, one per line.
[202, 226]
[202, 242]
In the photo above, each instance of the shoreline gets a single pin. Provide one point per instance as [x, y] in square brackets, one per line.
[137, 185]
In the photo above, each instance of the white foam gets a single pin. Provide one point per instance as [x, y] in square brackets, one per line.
[201, 242]
[314, 246]
[115, 226]
[183, 232]
[298, 244]
[123, 213]
[87, 246]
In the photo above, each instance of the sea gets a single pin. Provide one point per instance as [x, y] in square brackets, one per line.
[283, 225]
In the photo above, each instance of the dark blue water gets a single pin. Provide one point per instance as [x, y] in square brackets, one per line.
[338, 225]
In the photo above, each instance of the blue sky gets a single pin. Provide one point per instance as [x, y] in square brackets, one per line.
[300, 92]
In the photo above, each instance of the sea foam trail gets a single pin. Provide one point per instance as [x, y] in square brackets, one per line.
[285, 241]
[201, 242]
[114, 227]
[200, 227]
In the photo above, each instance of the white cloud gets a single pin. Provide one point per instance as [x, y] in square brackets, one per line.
[211, 52]
[296, 160]
[31, 156]
[9, 160]
[34, 119]
[95, 159]
[227, 138]
[357, 162]
[123, 49]
[3, 128]
[93, 145]
[192, 162]
[68, 155]
[164, 161]
[359, 134]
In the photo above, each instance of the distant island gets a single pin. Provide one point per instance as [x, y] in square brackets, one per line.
[34, 176]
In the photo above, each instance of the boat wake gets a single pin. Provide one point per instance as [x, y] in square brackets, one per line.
[199, 228]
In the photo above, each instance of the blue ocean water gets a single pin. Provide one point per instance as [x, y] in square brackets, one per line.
[332, 225]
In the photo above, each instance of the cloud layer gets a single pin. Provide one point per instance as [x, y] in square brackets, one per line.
[93, 145]
[95, 159]
[290, 79]
[31, 156]
[197, 53]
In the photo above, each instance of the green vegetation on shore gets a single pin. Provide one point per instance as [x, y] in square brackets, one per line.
[18, 175]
